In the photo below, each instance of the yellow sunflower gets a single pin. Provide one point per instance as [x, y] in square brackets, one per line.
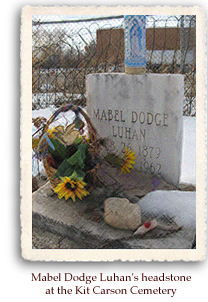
[51, 131]
[70, 188]
[128, 160]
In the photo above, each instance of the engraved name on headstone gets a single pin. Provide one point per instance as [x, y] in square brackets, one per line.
[143, 112]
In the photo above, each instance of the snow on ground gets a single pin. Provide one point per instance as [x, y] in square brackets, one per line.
[62, 119]
[188, 167]
[44, 99]
[181, 206]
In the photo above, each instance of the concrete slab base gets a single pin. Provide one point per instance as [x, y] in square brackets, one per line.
[58, 224]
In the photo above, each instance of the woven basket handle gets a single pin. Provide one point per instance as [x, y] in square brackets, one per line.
[76, 109]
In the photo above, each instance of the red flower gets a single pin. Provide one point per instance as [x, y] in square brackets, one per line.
[147, 225]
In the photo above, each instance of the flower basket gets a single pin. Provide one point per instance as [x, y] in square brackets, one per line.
[70, 153]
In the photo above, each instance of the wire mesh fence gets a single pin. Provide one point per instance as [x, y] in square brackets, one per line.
[66, 50]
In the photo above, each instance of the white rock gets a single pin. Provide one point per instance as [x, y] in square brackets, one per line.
[121, 214]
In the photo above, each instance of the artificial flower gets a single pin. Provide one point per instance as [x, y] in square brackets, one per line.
[71, 187]
[128, 160]
[50, 132]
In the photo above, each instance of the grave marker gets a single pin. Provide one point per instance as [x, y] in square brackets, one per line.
[143, 112]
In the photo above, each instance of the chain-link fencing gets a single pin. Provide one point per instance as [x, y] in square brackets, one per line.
[66, 50]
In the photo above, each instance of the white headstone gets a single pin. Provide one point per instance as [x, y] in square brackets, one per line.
[143, 112]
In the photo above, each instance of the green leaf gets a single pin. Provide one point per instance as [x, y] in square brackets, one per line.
[78, 140]
[75, 163]
[61, 169]
[68, 172]
[76, 160]
[60, 150]
[77, 175]
[80, 173]
[82, 148]
[114, 160]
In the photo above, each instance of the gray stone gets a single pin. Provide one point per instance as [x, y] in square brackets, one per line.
[58, 224]
[121, 214]
[43, 239]
[38, 181]
[187, 187]
[35, 185]
[134, 183]
[73, 219]
[144, 112]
